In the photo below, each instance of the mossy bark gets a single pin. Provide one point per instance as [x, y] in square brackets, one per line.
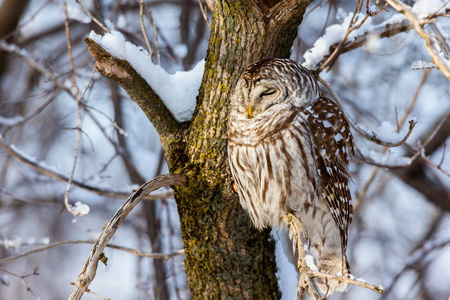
[226, 257]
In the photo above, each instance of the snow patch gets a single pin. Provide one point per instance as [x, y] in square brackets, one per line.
[424, 8]
[177, 91]
[421, 64]
[309, 260]
[79, 208]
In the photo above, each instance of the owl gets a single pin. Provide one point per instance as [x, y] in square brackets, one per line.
[288, 149]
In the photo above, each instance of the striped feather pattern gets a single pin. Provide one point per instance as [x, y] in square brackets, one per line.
[291, 156]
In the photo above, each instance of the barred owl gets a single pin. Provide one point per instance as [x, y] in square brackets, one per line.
[288, 150]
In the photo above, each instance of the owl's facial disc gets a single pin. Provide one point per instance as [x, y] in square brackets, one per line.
[262, 96]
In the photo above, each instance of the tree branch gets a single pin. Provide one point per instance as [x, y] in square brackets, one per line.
[129, 250]
[431, 43]
[383, 30]
[53, 174]
[139, 90]
[417, 175]
[89, 270]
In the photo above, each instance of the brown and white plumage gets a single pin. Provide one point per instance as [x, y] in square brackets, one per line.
[288, 150]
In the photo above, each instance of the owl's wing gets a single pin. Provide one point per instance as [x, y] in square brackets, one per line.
[334, 143]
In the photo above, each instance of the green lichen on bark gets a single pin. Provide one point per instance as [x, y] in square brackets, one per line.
[225, 256]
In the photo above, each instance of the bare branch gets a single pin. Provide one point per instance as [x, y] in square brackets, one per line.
[155, 30]
[417, 175]
[365, 160]
[53, 174]
[89, 270]
[400, 124]
[417, 256]
[79, 119]
[204, 13]
[106, 29]
[28, 59]
[384, 30]
[121, 248]
[144, 32]
[22, 279]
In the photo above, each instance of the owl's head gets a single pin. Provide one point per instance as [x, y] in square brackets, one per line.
[273, 85]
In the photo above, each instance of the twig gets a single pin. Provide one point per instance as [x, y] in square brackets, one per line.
[155, 30]
[22, 279]
[357, 282]
[374, 137]
[93, 293]
[365, 160]
[337, 51]
[27, 58]
[426, 159]
[79, 118]
[89, 270]
[382, 30]
[106, 29]
[418, 256]
[164, 256]
[33, 114]
[144, 32]
[204, 13]
[53, 174]
[365, 188]
[430, 41]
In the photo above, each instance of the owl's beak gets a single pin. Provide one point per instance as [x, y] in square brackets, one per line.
[250, 113]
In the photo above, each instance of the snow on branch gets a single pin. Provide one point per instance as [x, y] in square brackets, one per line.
[420, 65]
[344, 37]
[177, 91]
[386, 134]
[349, 35]
[417, 15]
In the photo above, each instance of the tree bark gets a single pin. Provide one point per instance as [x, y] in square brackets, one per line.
[226, 257]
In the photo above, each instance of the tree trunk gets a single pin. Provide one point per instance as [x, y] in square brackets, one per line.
[226, 257]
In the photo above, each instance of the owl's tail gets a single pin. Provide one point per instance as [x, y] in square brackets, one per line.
[329, 256]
